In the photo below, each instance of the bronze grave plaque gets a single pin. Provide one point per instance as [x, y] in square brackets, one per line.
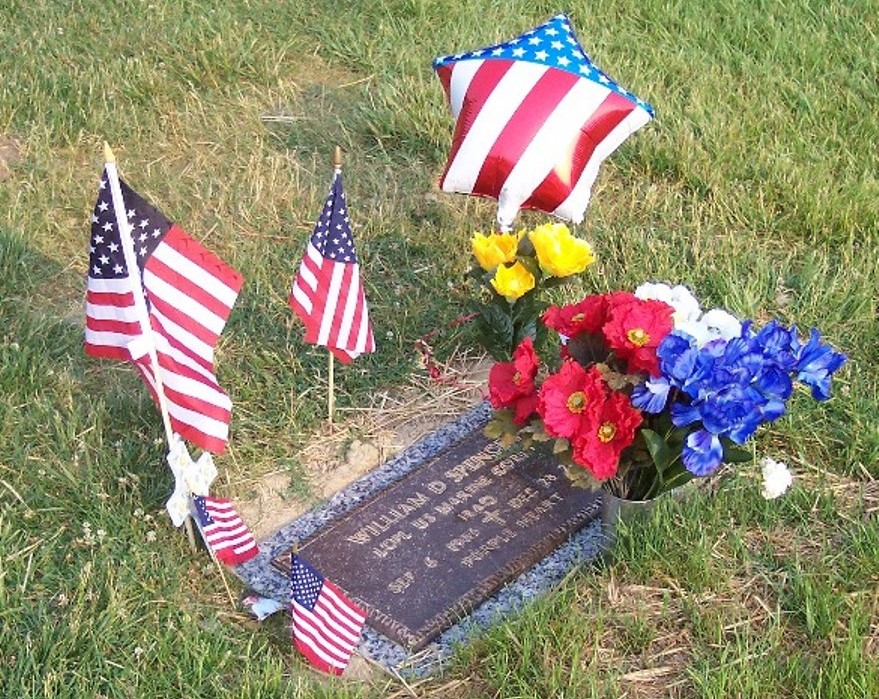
[422, 553]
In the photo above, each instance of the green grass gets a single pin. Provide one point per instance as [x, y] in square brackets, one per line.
[756, 185]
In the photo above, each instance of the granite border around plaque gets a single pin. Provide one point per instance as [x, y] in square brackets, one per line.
[265, 579]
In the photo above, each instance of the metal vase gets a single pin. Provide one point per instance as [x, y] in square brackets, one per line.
[614, 510]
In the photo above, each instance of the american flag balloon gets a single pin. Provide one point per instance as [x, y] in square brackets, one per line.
[534, 119]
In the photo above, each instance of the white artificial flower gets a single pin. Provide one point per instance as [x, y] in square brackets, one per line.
[696, 330]
[720, 324]
[715, 324]
[776, 478]
[678, 297]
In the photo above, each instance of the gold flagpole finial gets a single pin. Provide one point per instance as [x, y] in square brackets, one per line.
[337, 158]
[108, 154]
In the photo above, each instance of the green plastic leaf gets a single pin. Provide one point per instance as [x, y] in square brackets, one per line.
[581, 478]
[540, 436]
[734, 454]
[560, 446]
[530, 263]
[502, 423]
[493, 430]
[660, 451]
[508, 439]
[525, 247]
[495, 326]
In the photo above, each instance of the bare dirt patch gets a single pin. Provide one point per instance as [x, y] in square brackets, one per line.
[362, 439]
[10, 153]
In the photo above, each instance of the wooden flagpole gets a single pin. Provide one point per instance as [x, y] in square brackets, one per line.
[331, 399]
[331, 396]
[214, 558]
[137, 291]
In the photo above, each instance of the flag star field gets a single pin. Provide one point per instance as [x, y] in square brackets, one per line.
[149, 226]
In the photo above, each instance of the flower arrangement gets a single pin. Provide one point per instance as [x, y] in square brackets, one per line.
[648, 391]
[512, 272]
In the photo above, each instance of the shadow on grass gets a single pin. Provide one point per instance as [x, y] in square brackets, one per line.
[89, 421]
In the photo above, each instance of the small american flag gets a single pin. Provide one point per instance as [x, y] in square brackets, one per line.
[534, 120]
[189, 294]
[223, 530]
[327, 293]
[326, 624]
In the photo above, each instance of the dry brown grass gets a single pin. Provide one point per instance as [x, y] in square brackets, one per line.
[359, 439]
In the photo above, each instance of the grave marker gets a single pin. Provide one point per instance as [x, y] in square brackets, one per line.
[423, 552]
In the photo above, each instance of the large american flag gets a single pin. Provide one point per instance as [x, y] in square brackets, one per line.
[223, 530]
[327, 293]
[326, 624]
[189, 295]
[534, 119]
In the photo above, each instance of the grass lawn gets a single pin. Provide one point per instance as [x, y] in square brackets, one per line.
[756, 185]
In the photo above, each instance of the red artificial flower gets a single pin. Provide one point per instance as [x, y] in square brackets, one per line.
[570, 400]
[614, 429]
[586, 316]
[617, 298]
[524, 408]
[634, 329]
[511, 384]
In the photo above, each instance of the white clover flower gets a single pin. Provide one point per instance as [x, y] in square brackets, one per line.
[777, 478]
[678, 297]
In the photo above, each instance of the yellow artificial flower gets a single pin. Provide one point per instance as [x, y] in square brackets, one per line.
[495, 249]
[559, 253]
[512, 281]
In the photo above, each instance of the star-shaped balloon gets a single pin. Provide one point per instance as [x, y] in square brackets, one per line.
[190, 478]
[534, 119]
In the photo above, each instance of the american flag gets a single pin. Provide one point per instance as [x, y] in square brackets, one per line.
[534, 119]
[327, 293]
[189, 294]
[223, 530]
[326, 624]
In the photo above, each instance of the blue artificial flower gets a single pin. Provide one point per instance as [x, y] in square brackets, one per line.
[702, 453]
[729, 387]
[704, 379]
[741, 362]
[652, 395]
[734, 411]
[815, 365]
[683, 414]
[677, 356]
[777, 344]
[773, 409]
[774, 381]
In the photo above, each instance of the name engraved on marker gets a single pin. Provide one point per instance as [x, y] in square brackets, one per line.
[431, 546]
